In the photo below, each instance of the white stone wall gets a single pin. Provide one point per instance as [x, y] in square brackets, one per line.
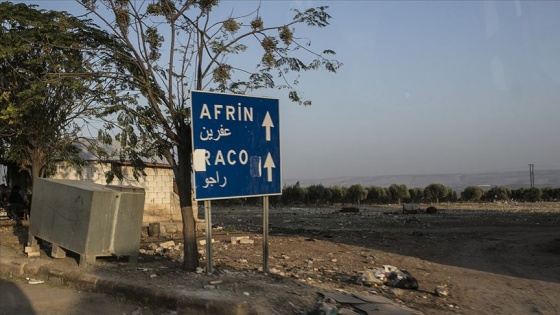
[161, 204]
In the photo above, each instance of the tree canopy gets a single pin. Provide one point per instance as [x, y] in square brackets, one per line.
[44, 92]
[398, 192]
[472, 193]
[436, 192]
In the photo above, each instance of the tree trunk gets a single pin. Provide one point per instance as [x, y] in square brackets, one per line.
[37, 165]
[183, 177]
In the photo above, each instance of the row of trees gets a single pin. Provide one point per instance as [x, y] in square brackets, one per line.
[435, 193]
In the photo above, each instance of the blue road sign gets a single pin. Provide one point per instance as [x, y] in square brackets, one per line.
[236, 146]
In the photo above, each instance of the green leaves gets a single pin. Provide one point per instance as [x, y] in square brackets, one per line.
[122, 15]
[313, 16]
[48, 82]
[222, 74]
[154, 41]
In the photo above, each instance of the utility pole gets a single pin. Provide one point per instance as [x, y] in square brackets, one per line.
[532, 174]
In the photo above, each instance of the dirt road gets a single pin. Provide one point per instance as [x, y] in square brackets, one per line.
[20, 297]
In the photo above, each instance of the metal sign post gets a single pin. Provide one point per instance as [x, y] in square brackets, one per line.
[208, 218]
[265, 234]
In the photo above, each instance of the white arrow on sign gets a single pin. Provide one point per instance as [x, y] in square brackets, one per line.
[267, 123]
[269, 165]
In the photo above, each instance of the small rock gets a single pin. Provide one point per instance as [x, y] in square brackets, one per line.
[153, 275]
[167, 244]
[398, 292]
[441, 290]
[389, 268]
[203, 242]
[238, 239]
[246, 293]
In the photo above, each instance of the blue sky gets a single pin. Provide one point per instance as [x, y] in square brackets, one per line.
[429, 87]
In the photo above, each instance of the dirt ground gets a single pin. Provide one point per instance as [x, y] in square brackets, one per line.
[493, 258]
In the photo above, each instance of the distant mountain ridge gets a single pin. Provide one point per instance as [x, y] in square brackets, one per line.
[510, 179]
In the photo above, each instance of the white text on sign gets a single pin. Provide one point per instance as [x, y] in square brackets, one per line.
[231, 158]
[229, 112]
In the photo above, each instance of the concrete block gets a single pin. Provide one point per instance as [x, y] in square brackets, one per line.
[31, 249]
[57, 252]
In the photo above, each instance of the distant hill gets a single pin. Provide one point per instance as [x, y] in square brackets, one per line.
[512, 180]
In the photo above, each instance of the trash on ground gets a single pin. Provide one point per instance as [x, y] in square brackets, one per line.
[34, 281]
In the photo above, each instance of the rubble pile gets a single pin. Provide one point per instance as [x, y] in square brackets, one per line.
[388, 275]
